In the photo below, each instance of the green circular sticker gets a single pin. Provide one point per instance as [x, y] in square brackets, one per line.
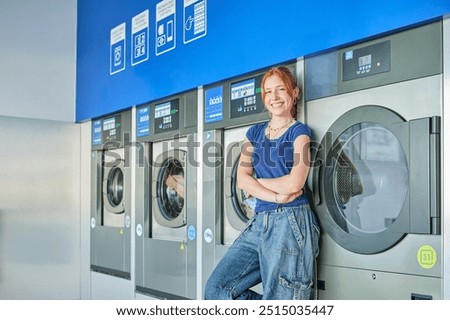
[426, 256]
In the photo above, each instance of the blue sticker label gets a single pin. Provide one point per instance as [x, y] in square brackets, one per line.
[143, 122]
[191, 232]
[214, 104]
[96, 132]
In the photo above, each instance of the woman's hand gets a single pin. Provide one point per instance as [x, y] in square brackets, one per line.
[286, 198]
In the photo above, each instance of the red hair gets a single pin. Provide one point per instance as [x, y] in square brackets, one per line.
[289, 81]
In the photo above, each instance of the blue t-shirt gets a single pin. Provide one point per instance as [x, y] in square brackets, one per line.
[274, 158]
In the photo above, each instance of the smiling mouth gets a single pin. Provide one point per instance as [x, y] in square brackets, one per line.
[277, 104]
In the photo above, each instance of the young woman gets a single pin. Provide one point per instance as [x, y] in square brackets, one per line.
[280, 242]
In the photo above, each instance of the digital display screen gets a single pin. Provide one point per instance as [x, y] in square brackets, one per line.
[246, 97]
[111, 128]
[365, 60]
[167, 116]
[109, 124]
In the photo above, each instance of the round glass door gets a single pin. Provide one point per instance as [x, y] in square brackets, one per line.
[115, 186]
[171, 188]
[368, 179]
[361, 180]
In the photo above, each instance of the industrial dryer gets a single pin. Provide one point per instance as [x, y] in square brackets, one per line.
[375, 110]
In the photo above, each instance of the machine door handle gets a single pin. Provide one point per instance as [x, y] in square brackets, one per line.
[424, 175]
[435, 174]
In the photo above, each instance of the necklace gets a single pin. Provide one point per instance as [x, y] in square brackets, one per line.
[276, 131]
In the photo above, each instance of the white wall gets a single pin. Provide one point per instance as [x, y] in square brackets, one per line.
[37, 59]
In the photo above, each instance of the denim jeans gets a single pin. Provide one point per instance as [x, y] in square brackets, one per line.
[277, 248]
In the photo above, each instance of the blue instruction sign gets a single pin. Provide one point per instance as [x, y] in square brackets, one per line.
[165, 26]
[139, 38]
[195, 18]
[96, 132]
[117, 49]
[143, 122]
[214, 104]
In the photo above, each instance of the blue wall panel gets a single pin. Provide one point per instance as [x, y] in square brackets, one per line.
[241, 36]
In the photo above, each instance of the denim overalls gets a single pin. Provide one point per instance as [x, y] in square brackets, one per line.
[277, 247]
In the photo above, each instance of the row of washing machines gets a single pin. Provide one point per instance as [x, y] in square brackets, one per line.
[375, 110]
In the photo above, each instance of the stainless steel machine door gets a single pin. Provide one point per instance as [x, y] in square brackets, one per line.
[241, 204]
[171, 189]
[368, 174]
[363, 176]
[113, 187]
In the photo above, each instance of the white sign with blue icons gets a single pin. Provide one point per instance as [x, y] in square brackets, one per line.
[165, 26]
[191, 232]
[143, 122]
[195, 20]
[214, 104]
[96, 132]
[117, 49]
[139, 38]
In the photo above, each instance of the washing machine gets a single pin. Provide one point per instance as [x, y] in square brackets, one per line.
[166, 198]
[110, 200]
[230, 108]
[375, 110]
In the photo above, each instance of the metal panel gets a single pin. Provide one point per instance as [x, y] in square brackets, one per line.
[142, 208]
[413, 54]
[184, 108]
[424, 92]
[212, 201]
[166, 267]
[375, 285]
[39, 209]
[85, 212]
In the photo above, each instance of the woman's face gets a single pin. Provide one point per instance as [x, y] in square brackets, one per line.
[277, 99]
